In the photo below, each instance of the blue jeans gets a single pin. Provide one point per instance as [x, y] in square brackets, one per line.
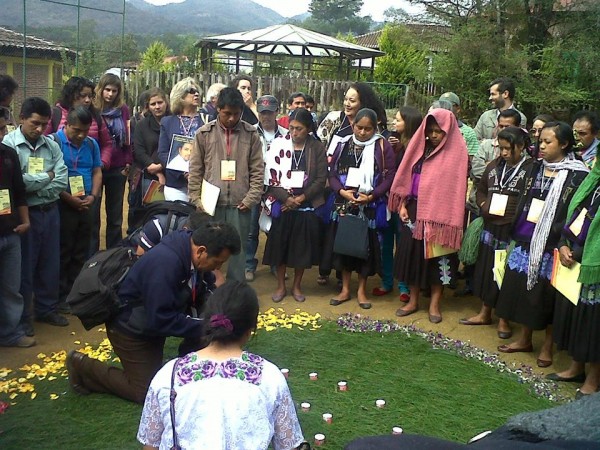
[40, 266]
[252, 241]
[387, 254]
[11, 301]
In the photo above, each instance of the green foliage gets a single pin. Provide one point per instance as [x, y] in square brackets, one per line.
[426, 391]
[154, 57]
[405, 60]
[337, 16]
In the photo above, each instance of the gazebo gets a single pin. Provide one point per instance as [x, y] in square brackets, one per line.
[288, 41]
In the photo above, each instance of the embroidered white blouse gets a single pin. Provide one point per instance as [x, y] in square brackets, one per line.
[241, 403]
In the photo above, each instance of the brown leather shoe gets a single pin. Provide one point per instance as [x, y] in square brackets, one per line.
[74, 359]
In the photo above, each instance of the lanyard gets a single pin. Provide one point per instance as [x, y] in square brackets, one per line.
[340, 128]
[515, 171]
[228, 142]
[186, 131]
[546, 185]
[358, 159]
[297, 161]
[74, 161]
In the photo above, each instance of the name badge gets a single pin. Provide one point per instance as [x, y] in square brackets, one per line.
[227, 170]
[535, 210]
[577, 224]
[297, 179]
[4, 202]
[35, 165]
[354, 178]
[498, 204]
[76, 185]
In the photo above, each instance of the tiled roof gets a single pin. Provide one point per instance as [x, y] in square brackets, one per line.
[434, 35]
[11, 43]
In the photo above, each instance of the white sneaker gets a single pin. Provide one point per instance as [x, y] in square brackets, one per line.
[249, 276]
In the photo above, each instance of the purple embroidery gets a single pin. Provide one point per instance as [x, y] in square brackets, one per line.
[247, 368]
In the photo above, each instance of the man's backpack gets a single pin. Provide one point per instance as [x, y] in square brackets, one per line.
[171, 215]
[93, 297]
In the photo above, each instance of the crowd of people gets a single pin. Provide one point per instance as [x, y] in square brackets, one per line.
[414, 201]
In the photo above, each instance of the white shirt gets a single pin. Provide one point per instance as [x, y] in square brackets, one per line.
[216, 409]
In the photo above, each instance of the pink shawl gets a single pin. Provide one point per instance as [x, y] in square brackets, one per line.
[442, 186]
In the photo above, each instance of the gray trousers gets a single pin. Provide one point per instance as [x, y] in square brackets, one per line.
[240, 220]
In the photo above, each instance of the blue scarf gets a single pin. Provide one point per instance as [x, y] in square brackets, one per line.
[116, 126]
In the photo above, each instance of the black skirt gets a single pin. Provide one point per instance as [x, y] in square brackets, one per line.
[410, 265]
[364, 267]
[576, 329]
[534, 308]
[494, 237]
[293, 240]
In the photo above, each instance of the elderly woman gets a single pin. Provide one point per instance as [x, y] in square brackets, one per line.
[210, 107]
[336, 127]
[361, 171]
[109, 100]
[221, 396]
[577, 327]
[296, 169]
[526, 295]
[498, 194]
[183, 124]
[433, 172]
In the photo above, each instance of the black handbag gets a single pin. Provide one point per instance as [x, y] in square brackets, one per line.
[351, 237]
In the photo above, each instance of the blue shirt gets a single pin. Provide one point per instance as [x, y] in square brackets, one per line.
[80, 161]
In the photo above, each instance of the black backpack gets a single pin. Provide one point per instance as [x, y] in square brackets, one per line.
[93, 297]
[172, 215]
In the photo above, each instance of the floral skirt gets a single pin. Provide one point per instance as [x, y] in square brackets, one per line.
[534, 308]
[410, 265]
[576, 329]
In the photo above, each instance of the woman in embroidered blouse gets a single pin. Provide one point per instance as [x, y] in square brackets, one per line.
[577, 327]
[293, 239]
[115, 115]
[361, 172]
[433, 172]
[526, 295]
[498, 193]
[185, 121]
[225, 398]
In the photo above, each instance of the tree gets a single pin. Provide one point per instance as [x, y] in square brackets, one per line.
[337, 16]
[405, 59]
[154, 57]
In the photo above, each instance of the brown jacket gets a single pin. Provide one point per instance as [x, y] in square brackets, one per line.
[316, 165]
[210, 148]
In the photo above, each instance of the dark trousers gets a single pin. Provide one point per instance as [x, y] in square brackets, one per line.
[141, 360]
[114, 191]
[40, 261]
[75, 235]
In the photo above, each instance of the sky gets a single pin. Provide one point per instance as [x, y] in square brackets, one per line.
[374, 8]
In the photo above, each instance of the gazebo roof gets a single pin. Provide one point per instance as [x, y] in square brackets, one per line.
[287, 40]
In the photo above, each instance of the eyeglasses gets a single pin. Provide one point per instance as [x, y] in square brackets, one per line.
[192, 91]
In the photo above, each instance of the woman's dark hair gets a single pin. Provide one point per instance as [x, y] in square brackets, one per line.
[369, 114]
[303, 116]
[234, 83]
[563, 133]
[412, 121]
[79, 115]
[516, 137]
[230, 97]
[8, 87]
[216, 237]
[368, 99]
[71, 89]
[231, 311]
[544, 118]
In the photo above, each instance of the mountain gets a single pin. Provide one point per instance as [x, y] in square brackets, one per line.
[204, 17]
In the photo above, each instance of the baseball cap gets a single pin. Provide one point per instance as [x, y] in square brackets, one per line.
[267, 103]
[451, 97]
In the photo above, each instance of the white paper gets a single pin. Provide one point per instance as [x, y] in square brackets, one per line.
[498, 204]
[209, 197]
[354, 178]
[297, 179]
